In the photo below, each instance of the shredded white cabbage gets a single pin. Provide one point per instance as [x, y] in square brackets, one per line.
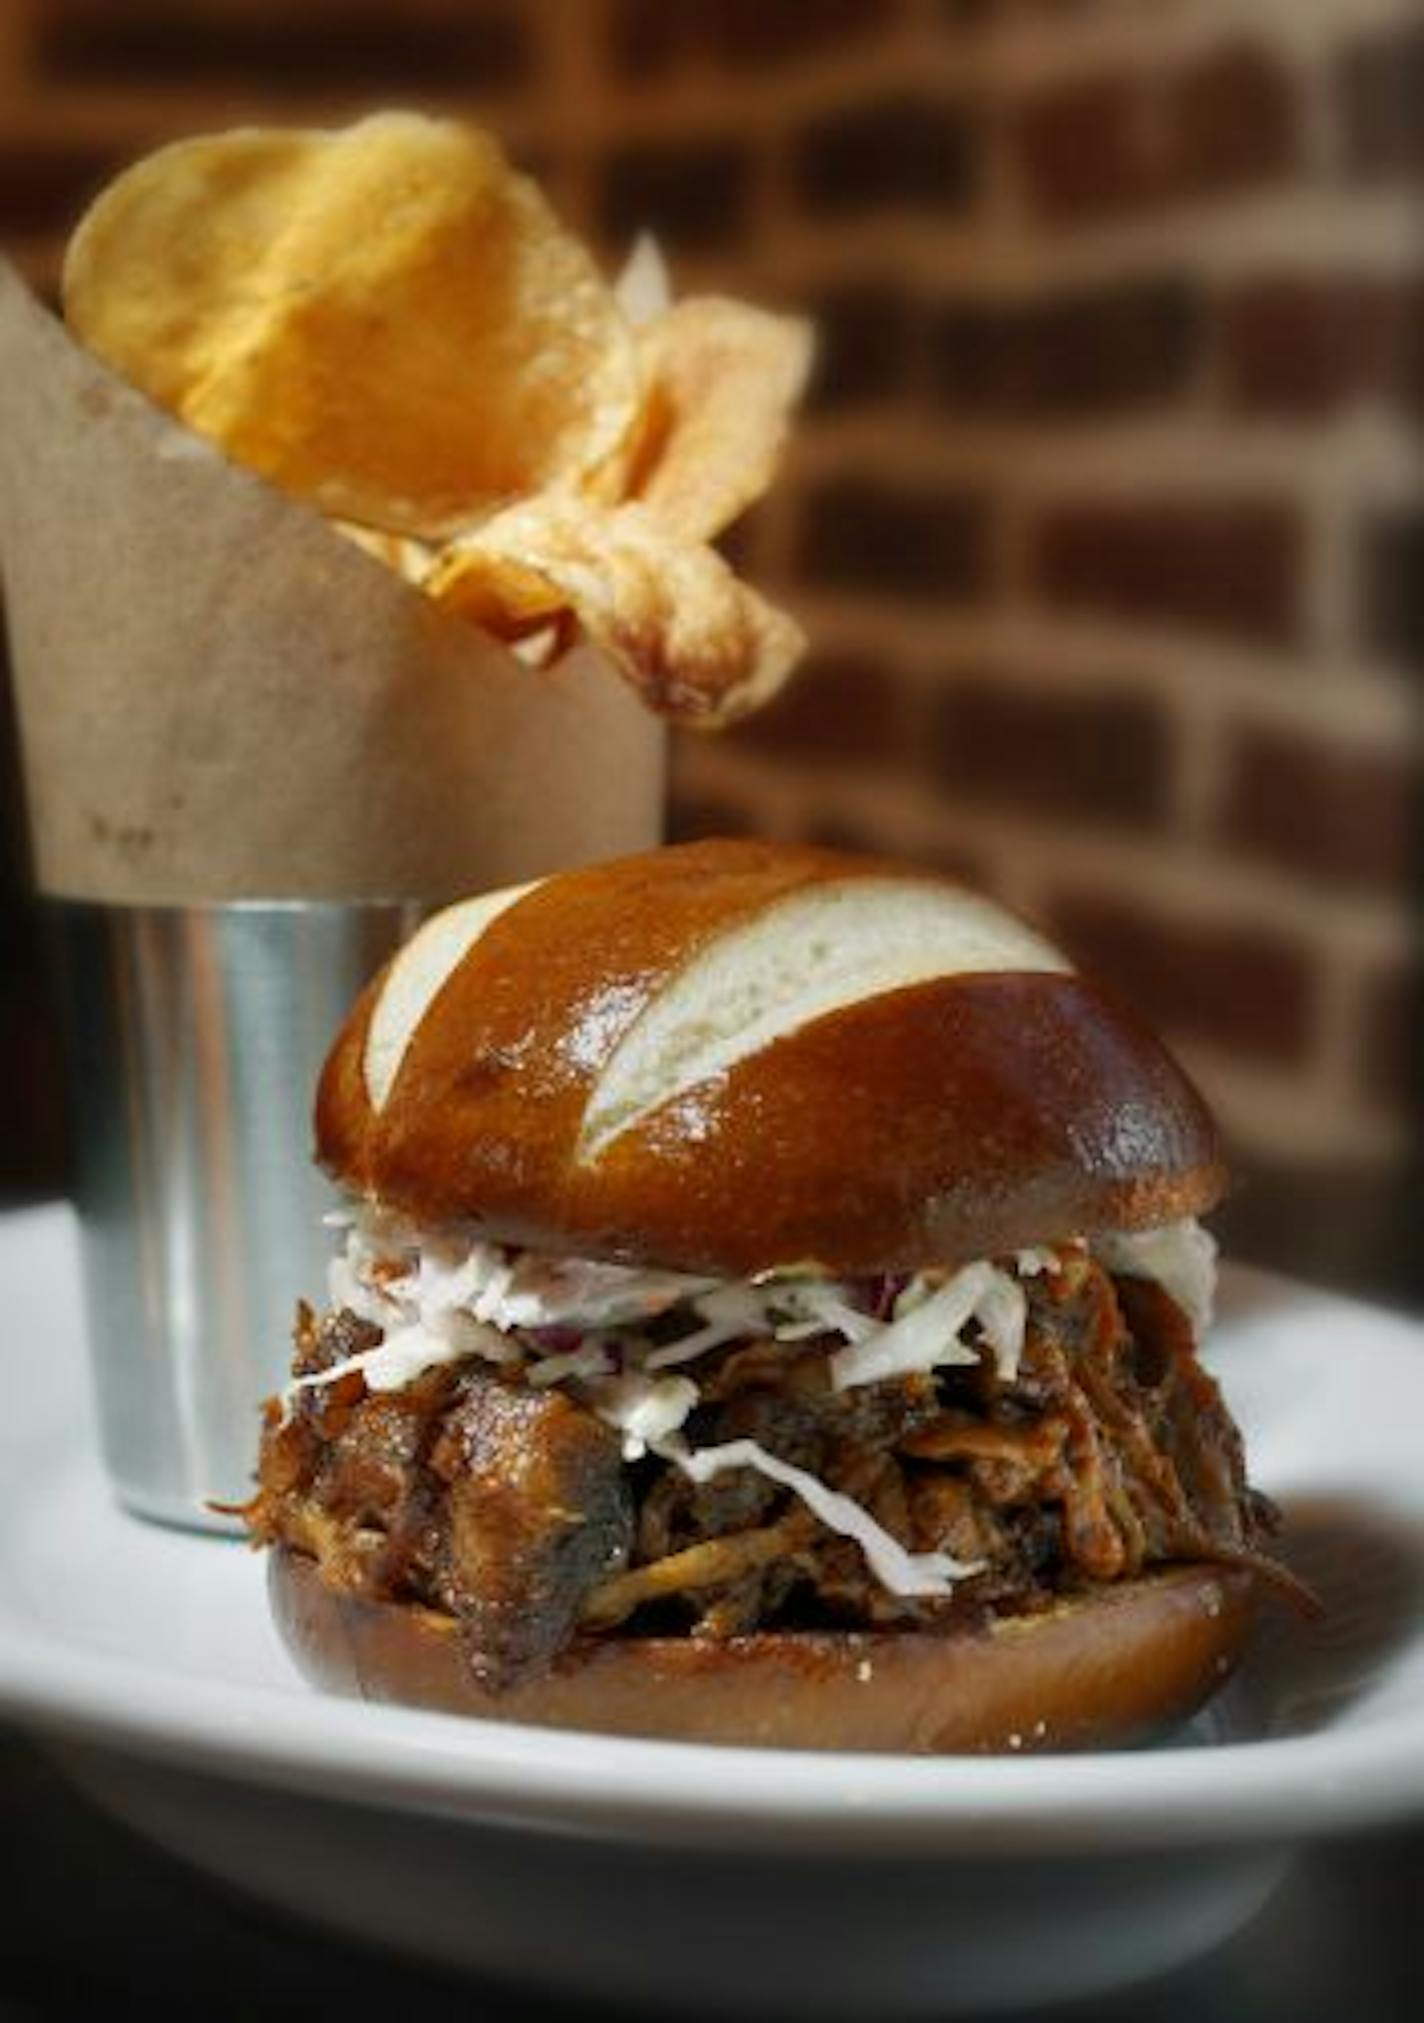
[729, 1311]
[586, 1363]
[821, 1308]
[646, 1410]
[406, 1353]
[391, 1273]
[904, 1573]
[1035, 1260]
[926, 1335]
[1180, 1256]
[550, 1291]
[441, 1296]
[1002, 1314]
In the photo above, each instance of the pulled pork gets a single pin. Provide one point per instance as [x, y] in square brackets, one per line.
[512, 1508]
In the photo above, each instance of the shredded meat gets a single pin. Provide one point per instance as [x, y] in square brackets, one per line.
[713, 1564]
[537, 1512]
[512, 1509]
[503, 1506]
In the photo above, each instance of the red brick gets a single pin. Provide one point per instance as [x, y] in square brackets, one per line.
[417, 47]
[1095, 757]
[1079, 151]
[1381, 86]
[838, 832]
[1106, 349]
[1091, 352]
[922, 545]
[955, 860]
[1308, 347]
[1236, 122]
[695, 195]
[757, 34]
[840, 706]
[647, 38]
[1125, 141]
[1391, 1052]
[741, 543]
[1406, 380]
[841, 832]
[976, 361]
[969, 14]
[651, 38]
[692, 814]
[1339, 817]
[1246, 990]
[1230, 569]
[866, 345]
[45, 187]
[906, 151]
[1391, 576]
[1350, 1223]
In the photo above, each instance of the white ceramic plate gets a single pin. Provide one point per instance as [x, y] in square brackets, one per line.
[620, 1868]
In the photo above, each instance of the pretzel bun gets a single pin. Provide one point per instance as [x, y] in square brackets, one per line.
[1111, 1667]
[725, 1056]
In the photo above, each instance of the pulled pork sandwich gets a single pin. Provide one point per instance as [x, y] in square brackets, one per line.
[770, 1315]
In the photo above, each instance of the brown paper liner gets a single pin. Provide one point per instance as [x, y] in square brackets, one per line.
[219, 697]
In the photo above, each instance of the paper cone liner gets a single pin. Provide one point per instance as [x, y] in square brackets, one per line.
[219, 697]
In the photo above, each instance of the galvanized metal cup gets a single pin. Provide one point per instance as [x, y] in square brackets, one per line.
[195, 1036]
[193, 737]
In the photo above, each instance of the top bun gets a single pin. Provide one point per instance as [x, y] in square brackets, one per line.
[726, 1056]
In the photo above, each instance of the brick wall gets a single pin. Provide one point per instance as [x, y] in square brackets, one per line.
[1106, 518]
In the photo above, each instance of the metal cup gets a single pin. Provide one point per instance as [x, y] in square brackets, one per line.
[195, 1036]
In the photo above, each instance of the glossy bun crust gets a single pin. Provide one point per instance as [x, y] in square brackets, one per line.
[957, 1117]
[1109, 1668]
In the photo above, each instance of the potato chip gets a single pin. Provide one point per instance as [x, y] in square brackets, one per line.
[643, 290]
[696, 643]
[402, 552]
[388, 322]
[722, 378]
[385, 320]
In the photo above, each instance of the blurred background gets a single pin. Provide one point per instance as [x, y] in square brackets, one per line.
[1106, 518]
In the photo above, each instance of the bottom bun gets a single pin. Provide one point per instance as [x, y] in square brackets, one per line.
[1112, 1667]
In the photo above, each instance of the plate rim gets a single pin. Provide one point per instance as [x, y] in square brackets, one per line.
[1285, 1788]
[1275, 1789]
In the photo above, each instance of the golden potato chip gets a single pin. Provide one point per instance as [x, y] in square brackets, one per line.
[696, 643]
[537, 636]
[722, 378]
[643, 290]
[385, 320]
[402, 552]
